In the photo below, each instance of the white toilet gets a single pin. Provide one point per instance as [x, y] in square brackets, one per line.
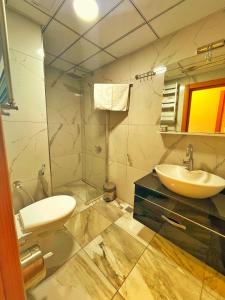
[39, 220]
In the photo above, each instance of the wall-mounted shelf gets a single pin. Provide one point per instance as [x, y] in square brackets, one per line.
[191, 133]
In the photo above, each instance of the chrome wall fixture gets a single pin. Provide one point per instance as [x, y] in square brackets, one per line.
[156, 71]
[145, 75]
[211, 46]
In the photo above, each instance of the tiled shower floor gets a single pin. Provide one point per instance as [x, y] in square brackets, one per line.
[115, 257]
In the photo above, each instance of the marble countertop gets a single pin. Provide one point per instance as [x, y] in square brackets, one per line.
[214, 206]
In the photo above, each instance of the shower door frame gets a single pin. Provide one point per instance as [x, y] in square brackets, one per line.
[11, 280]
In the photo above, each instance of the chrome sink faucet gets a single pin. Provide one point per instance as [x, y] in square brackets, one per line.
[188, 162]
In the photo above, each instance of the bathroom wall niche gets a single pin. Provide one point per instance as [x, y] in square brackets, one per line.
[194, 95]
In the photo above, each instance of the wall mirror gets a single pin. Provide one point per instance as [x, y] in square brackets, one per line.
[194, 94]
[6, 92]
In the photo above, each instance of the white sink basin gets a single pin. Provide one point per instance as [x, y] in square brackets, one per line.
[193, 184]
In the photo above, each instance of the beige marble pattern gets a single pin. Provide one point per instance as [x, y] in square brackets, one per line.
[119, 263]
[214, 284]
[115, 252]
[118, 297]
[112, 210]
[140, 232]
[208, 296]
[165, 250]
[153, 278]
[77, 279]
[87, 225]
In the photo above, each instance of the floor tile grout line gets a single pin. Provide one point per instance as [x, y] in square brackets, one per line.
[117, 290]
[145, 247]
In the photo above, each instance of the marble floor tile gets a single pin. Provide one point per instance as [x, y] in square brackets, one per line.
[109, 210]
[115, 252]
[86, 225]
[214, 283]
[164, 249]
[153, 279]
[207, 296]
[118, 297]
[78, 279]
[139, 231]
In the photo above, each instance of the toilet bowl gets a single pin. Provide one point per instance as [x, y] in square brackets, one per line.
[41, 219]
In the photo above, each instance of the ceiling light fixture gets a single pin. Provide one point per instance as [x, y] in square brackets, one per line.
[87, 10]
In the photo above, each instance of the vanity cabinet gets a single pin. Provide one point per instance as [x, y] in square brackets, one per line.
[195, 225]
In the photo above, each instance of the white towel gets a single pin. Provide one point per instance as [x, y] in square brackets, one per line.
[111, 96]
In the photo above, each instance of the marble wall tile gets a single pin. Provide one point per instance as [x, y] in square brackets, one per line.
[118, 144]
[24, 35]
[65, 169]
[77, 279]
[64, 139]
[165, 281]
[118, 175]
[95, 143]
[25, 130]
[115, 253]
[28, 88]
[145, 101]
[133, 174]
[64, 126]
[27, 149]
[34, 188]
[62, 106]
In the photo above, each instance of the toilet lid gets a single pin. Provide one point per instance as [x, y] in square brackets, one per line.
[46, 211]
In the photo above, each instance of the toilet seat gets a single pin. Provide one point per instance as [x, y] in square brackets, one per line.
[46, 211]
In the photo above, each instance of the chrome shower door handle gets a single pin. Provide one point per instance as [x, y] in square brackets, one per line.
[174, 223]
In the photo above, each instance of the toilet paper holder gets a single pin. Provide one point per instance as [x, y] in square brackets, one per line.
[33, 266]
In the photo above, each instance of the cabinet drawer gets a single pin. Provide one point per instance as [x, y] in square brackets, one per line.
[185, 234]
[181, 208]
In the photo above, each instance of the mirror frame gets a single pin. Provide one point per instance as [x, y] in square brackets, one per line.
[189, 88]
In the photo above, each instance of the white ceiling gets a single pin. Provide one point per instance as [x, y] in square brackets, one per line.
[122, 27]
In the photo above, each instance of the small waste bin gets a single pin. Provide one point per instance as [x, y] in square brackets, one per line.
[109, 191]
[33, 266]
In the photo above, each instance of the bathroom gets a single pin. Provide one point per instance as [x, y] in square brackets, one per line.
[58, 144]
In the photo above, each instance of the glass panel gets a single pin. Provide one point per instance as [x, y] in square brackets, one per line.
[76, 137]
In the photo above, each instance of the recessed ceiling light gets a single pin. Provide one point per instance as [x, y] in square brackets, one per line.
[87, 10]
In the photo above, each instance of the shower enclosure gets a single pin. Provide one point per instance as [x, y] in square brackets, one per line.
[77, 137]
